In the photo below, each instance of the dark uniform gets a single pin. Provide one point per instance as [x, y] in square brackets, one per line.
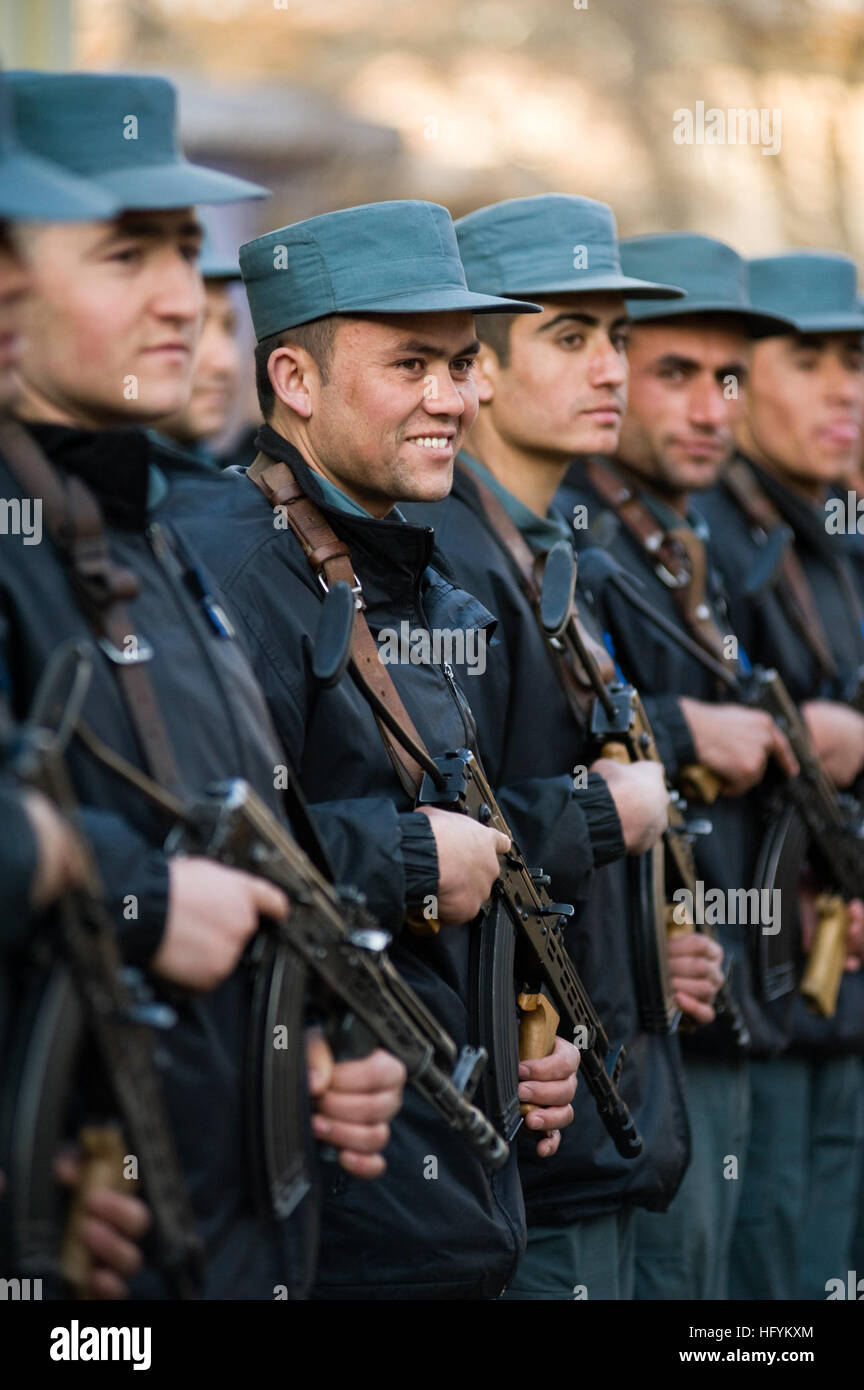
[437, 1225]
[684, 1253]
[578, 1204]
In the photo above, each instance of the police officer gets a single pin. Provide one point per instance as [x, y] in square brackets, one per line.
[798, 432]
[216, 376]
[365, 351]
[111, 331]
[551, 386]
[685, 359]
[39, 856]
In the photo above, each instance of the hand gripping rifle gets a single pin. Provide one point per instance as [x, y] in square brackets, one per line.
[833, 821]
[622, 731]
[329, 931]
[89, 995]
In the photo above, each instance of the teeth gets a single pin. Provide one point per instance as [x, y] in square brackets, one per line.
[433, 442]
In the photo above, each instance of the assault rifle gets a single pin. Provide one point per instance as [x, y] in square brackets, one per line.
[619, 722]
[532, 923]
[833, 821]
[89, 995]
[330, 931]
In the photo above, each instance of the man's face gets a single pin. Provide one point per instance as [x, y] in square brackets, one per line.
[564, 388]
[114, 318]
[685, 377]
[14, 287]
[393, 382]
[216, 371]
[805, 404]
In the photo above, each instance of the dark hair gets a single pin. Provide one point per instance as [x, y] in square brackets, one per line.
[317, 339]
[494, 331]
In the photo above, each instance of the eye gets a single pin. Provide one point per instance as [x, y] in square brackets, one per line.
[462, 366]
[676, 375]
[620, 341]
[571, 340]
[191, 252]
[126, 255]
[413, 364]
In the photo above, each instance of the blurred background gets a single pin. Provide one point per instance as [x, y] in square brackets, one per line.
[336, 102]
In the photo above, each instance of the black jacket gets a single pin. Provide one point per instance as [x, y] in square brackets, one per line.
[772, 639]
[530, 739]
[219, 727]
[649, 658]
[411, 1235]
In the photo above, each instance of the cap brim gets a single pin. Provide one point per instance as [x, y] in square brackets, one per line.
[177, 185]
[612, 284]
[33, 189]
[759, 325]
[219, 270]
[440, 301]
[829, 323]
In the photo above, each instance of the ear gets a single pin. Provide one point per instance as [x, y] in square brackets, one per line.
[485, 374]
[294, 378]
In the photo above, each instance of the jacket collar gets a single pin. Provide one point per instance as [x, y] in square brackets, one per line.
[115, 464]
[395, 559]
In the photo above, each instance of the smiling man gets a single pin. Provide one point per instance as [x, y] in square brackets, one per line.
[366, 346]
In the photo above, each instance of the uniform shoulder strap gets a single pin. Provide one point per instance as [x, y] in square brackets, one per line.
[793, 587]
[330, 561]
[103, 588]
[528, 569]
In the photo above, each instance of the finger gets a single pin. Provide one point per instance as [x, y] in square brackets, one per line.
[127, 1214]
[783, 753]
[502, 842]
[319, 1062]
[364, 1139]
[695, 967]
[549, 1145]
[378, 1072]
[701, 1013]
[105, 1284]
[362, 1165]
[702, 988]
[548, 1092]
[562, 1061]
[852, 965]
[67, 1167]
[550, 1117]
[109, 1247]
[269, 901]
[363, 1108]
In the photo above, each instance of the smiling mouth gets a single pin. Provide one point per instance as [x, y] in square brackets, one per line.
[433, 441]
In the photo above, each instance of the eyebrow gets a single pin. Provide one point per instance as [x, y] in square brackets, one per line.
[576, 316]
[421, 349]
[690, 364]
[152, 228]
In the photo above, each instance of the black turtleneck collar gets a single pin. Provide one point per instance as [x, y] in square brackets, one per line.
[115, 465]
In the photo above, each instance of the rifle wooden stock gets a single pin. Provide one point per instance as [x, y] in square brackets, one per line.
[538, 1029]
[820, 984]
[102, 1154]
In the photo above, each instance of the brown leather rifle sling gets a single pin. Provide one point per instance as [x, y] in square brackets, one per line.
[330, 561]
[680, 561]
[577, 687]
[678, 555]
[103, 588]
[794, 588]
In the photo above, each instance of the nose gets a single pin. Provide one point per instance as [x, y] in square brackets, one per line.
[441, 395]
[178, 292]
[608, 366]
[844, 385]
[708, 407]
